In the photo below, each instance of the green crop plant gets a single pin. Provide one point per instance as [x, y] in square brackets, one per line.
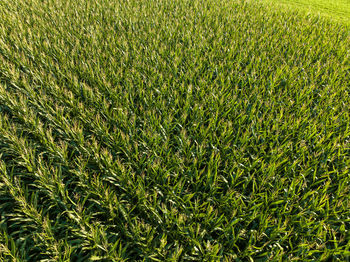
[172, 130]
[334, 10]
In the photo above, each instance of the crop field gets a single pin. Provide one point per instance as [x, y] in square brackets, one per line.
[335, 10]
[173, 130]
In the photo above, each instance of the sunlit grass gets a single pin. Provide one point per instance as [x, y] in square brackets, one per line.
[333, 10]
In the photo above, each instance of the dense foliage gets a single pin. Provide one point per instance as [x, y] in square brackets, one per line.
[335, 10]
[172, 130]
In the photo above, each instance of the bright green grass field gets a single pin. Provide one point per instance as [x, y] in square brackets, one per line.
[172, 130]
[335, 10]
